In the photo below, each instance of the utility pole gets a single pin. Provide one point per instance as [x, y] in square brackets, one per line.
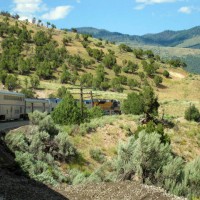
[91, 96]
[81, 99]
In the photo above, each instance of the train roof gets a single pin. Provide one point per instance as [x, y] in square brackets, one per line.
[36, 100]
[11, 93]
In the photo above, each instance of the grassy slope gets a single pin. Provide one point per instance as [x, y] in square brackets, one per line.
[174, 95]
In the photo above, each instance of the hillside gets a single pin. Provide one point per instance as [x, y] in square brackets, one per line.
[70, 59]
[89, 148]
[168, 44]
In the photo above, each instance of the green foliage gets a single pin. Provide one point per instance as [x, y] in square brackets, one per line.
[67, 151]
[132, 67]
[149, 53]
[28, 93]
[116, 85]
[143, 157]
[138, 53]
[75, 62]
[67, 111]
[66, 40]
[166, 74]
[133, 104]
[95, 53]
[97, 155]
[123, 79]
[95, 112]
[35, 81]
[44, 70]
[36, 117]
[109, 61]
[65, 76]
[151, 104]
[132, 83]
[104, 86]
[41, 38]
[177, 63]
[192, 114]
[11, 82]
[152, 127]
[39, 150]
[150, 69]
[125, 48]
[47, 124]
[157, 80]
[3, 76]
[117, 69]
[62, 91]
[86, 79]
[192, 178]
[144, 102]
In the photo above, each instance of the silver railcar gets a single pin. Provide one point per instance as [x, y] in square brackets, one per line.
[41, 105]
[12, 105]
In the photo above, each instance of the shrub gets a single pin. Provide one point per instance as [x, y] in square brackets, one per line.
[67, 112]
[66, 150]
[133, 104]
[171, 175]
[192, 114]
[28, 93]
[95, 112]
[36, 117]
[142, 157]
[47, 124]
[157, 80]
[38, 141]
[192, 178]
[166, 74]
[97, 155]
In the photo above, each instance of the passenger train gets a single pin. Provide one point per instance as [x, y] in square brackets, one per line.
[14, 105]
[108, 106]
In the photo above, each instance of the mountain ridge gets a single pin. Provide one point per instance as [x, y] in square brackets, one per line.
[167, 38]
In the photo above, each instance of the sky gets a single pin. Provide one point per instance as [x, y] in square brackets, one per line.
[134, 17]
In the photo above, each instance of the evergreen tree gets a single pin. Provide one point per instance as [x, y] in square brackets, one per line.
[67, 112]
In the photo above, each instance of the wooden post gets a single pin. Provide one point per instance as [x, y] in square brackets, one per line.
[91, 96]
[81, 99]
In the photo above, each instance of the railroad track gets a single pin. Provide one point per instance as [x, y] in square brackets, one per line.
[6, 126]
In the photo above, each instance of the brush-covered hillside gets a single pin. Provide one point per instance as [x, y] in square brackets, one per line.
[38, 60]
[149, 144]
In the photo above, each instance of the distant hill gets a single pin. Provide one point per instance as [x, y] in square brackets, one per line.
[184, 38]
[184, 44]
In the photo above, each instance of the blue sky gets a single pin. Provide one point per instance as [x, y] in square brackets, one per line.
[134, 17]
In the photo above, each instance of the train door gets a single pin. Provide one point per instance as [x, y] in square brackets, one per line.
[32, 108]
[44, 107]
[9, 110]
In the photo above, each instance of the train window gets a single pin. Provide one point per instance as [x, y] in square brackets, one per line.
[16, 111]
[13, 98]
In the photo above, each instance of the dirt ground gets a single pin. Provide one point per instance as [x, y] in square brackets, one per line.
[15, 187]
[117, 191]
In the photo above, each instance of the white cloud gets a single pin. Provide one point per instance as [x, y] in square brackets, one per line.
[28, 6]
[185, 10]
[27, 9]
[59, 12]
[140, 7]
[144, 3]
